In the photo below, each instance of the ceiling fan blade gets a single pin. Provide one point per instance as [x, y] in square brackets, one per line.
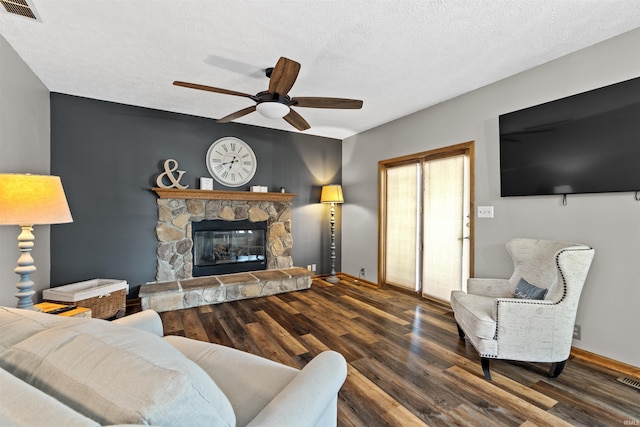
[296, 120]
[319, 102]
[237, 114]
[211, 89]
[283, 76]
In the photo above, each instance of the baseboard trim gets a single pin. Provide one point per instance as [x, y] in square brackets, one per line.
[605, 362]
[358, 280]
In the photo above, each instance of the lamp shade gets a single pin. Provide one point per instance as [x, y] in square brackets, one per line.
[331, 194]
[32, 199]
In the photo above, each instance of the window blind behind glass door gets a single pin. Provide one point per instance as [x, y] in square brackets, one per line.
[401, 227]
[444, 218]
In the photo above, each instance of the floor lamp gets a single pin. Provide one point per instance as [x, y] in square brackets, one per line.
[27, 200]
[332, 194]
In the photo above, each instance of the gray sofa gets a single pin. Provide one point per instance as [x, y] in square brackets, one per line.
[88, 372]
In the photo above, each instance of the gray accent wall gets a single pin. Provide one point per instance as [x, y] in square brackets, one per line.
[109, 156]
[610, 223]
[24, 148]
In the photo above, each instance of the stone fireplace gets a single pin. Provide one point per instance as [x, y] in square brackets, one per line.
[179, 209]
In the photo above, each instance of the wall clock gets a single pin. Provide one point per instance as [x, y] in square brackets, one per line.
[231, 161]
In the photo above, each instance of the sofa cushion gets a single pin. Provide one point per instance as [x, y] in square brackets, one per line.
[112, 373]
[18, 326]
[25, 405]
[525, 290]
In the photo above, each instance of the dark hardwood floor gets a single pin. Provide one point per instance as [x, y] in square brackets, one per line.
[406, 363]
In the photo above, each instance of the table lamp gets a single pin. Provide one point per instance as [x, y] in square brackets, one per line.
[27, 200]
[332, 194]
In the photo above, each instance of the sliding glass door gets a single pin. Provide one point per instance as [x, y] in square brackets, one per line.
[426, 222]
[445, 227]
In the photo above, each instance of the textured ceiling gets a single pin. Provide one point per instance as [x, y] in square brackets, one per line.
[398, 56]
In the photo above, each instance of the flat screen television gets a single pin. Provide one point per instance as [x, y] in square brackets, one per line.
[585, 143]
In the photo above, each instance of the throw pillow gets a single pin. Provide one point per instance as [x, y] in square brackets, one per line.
[117, 375]
[526, 290]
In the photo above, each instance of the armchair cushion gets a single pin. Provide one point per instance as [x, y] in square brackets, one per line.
[497, 288]
[475, 313]
[525, 290]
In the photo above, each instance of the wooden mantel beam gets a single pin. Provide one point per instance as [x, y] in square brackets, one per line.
[176, 193]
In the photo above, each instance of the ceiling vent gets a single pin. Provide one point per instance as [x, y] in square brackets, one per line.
[19, 7]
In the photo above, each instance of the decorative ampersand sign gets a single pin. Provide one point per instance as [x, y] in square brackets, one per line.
[168, 172]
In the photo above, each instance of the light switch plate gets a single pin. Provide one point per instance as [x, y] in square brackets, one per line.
[485, 211]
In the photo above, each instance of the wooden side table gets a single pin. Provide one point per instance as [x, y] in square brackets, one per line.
[48, 307]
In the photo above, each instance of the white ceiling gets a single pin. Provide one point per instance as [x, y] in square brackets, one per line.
[398, 56]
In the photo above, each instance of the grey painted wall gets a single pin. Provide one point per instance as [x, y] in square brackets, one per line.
[109, 156]
[24, 148]
[608, 222]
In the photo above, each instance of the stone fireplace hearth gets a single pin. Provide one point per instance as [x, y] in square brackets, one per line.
[178, 209]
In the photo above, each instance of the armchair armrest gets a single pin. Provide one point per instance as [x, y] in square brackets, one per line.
[533, 330]
[305, 400]
[147, 320]
[496, 288]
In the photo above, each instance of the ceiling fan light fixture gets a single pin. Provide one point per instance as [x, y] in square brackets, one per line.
[273, 109]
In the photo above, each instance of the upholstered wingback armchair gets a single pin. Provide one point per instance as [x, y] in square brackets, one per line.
[530, 316]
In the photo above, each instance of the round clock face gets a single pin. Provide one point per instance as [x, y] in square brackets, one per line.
[231, 162]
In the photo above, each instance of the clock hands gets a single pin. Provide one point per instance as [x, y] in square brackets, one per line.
[235, 160]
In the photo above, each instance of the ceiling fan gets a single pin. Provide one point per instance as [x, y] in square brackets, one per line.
[275, 102]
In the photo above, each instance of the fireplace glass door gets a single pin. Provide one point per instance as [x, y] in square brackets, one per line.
[221, 247]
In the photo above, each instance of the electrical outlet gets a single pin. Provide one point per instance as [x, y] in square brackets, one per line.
[362, 274]
[485, 211]
[577, 332]
[313, 268]
[309, 267]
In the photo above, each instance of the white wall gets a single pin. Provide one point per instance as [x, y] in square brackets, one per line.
[24, 147]
[608, 310]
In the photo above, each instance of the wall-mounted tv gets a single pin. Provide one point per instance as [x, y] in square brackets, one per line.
[586, 143]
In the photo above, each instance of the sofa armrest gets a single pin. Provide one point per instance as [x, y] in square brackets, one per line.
[305, 400]
[496, 288]
[147, 320]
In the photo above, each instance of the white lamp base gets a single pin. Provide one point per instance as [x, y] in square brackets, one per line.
[333, 279]
[25, 267]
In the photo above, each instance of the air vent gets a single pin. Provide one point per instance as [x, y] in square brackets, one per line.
[630, 382]
[18, 7]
